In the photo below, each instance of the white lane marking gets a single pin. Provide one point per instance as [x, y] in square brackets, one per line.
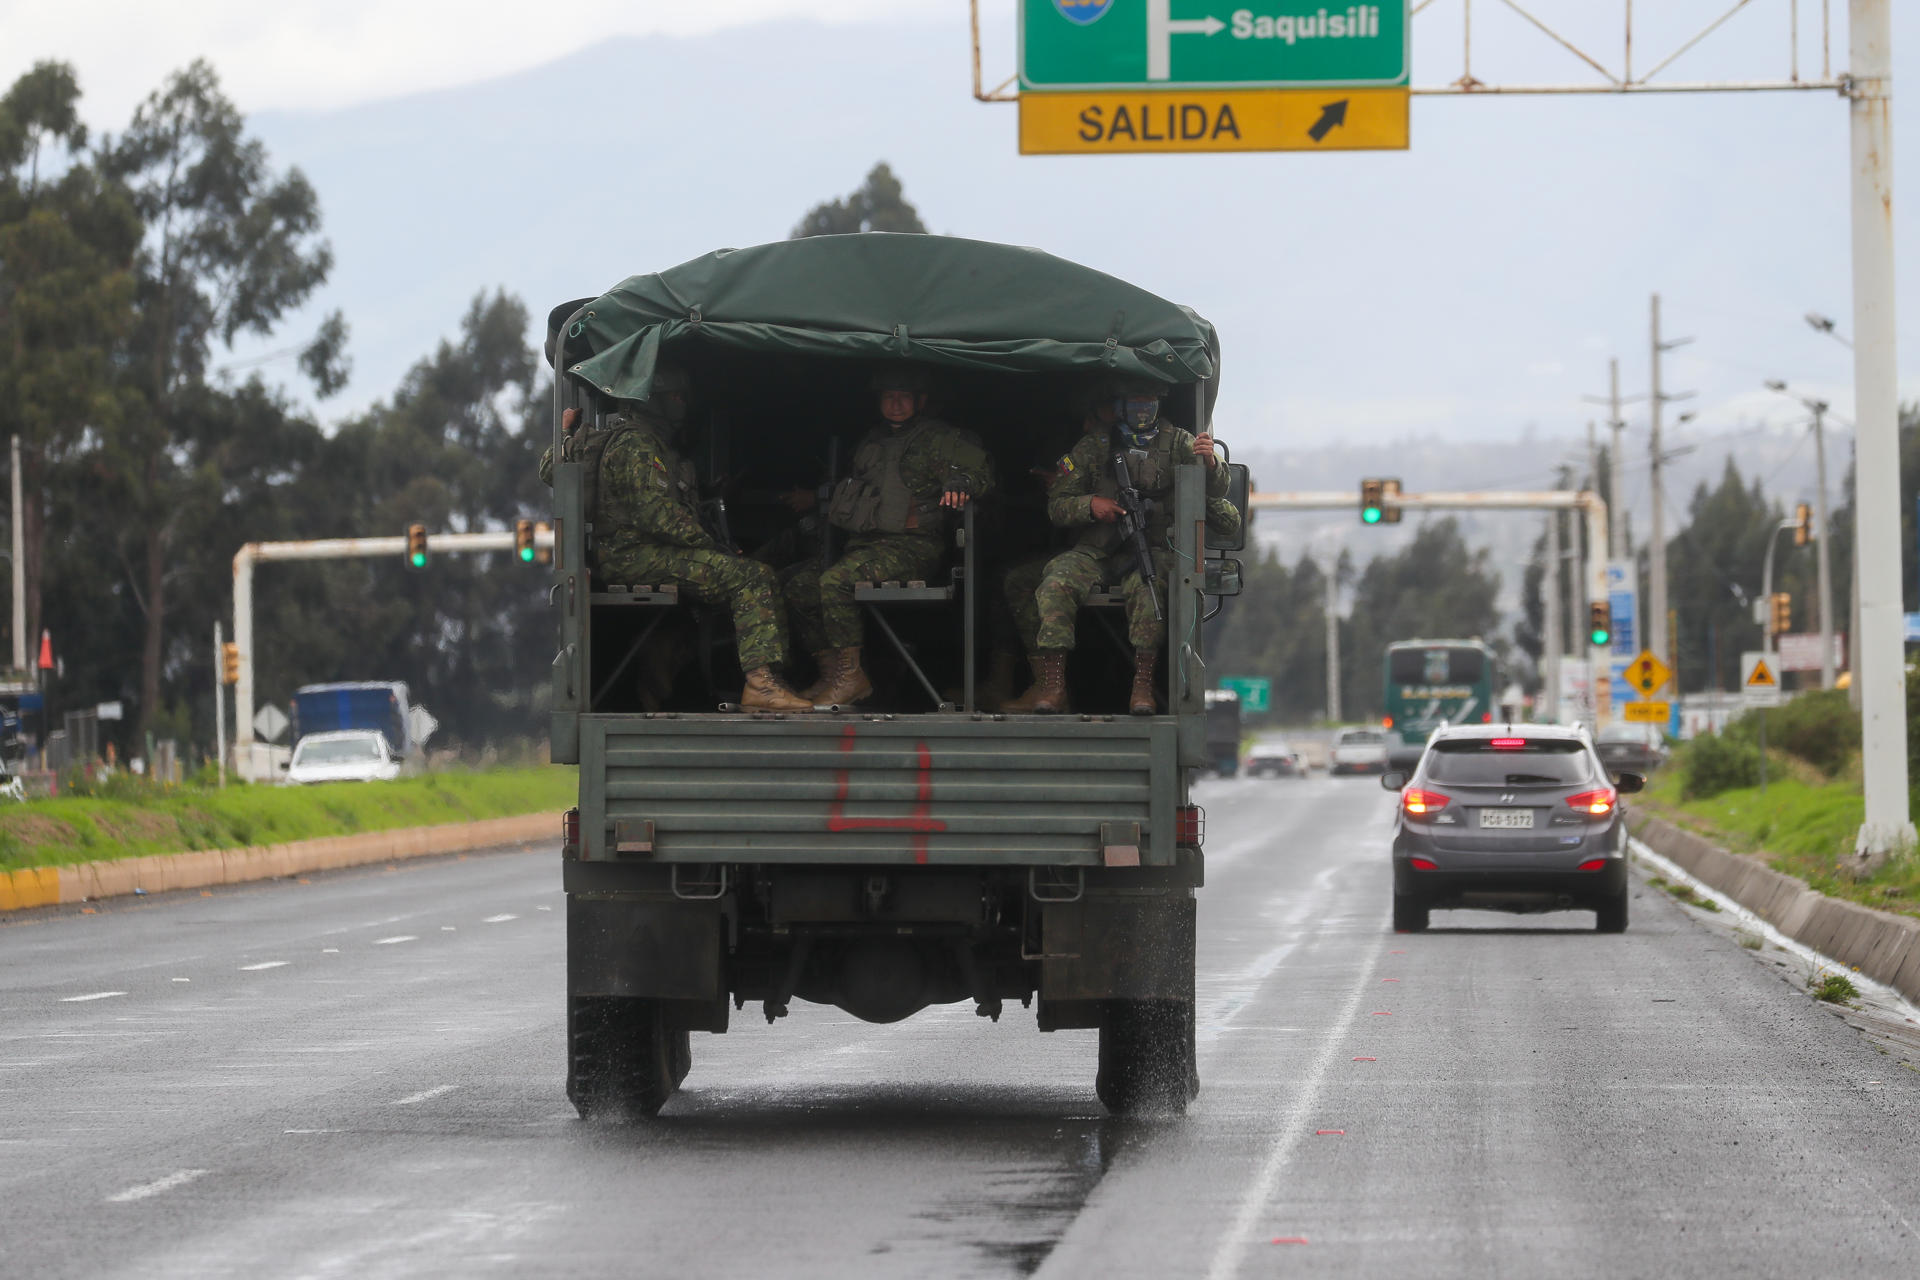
[543, 908]
[1233, 1245]
[98, 995]
[178, 1178]
[424, 1094]
[1800, 950]
[183, 979]
[447, 928]
[329, 951]
[500, 919]
[387, 942]
[264, 964]
[311, 1131]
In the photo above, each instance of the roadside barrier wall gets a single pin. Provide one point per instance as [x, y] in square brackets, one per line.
[200, 869]
[1884, 946]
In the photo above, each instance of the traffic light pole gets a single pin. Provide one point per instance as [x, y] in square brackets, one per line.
[1585, 501]
[253, 553]
[1766, 583]
[220, 702]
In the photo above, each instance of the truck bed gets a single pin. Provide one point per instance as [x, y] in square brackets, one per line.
[932, 789]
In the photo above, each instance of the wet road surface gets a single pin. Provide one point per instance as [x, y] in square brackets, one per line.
[362, 1076]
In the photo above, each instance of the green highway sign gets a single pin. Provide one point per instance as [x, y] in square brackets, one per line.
[1255, 692]
[1194, 44]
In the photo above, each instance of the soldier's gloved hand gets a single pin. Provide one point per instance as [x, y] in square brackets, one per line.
[1203, 450]
[1106, 509]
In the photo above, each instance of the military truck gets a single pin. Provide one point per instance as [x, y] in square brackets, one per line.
[917, 849]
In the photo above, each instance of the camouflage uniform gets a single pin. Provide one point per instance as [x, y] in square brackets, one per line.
[642, 498]
[891, 505]
[1101, 554]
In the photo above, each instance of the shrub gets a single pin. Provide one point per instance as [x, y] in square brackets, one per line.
[1713, 763]
[1818, 727]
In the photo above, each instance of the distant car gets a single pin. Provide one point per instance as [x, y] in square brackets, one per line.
[1358, 751]
[1510, 818]
[345, 755]
[1275, 759]
[1639, 747]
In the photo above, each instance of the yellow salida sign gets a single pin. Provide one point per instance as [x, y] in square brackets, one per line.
[1122, 121]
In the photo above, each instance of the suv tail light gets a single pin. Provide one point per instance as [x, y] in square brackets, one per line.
[1190, 826]
[1419, 803]
[1594, 804]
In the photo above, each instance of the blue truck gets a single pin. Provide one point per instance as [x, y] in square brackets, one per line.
[366, 704]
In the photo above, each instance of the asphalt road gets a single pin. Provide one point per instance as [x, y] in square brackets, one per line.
[361, 1076]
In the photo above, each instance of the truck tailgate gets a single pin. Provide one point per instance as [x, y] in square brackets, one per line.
[936, 789]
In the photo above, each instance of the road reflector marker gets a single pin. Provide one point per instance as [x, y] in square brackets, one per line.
[1389, 979]
[1289, 1239]
[1366, 1059]
[1324, 1133]
[1383, 1013]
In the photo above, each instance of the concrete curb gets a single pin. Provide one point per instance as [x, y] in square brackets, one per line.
[159, 873]
[1884, 946]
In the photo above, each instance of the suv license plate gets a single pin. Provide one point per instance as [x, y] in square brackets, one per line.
[1506, 818]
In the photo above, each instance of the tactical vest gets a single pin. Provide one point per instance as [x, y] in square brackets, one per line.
[882, 503]
[1153, 477]
[592, 451]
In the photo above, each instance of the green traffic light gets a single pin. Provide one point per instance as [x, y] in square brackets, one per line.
[419, 560]
[1601, 637]
[526, 554]
[1370, 515]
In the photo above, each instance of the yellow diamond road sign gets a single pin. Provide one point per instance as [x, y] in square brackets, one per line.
[1647, 673]
[1117, 121]
[1647, 712]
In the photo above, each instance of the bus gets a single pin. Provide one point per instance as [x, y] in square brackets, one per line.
[1434, 682]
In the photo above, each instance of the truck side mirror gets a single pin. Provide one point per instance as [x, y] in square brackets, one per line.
[1239, 491]
[1223, 577]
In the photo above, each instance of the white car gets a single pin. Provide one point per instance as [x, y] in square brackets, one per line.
[345, 755]
[1359, 751]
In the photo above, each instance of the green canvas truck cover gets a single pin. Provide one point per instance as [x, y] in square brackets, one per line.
[937, 299]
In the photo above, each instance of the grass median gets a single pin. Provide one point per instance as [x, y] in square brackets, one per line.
[136, 818]
[1802, 826]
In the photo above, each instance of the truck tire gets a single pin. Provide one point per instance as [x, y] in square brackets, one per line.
[1147, 1058]
[623, 1061]
[1410, 914]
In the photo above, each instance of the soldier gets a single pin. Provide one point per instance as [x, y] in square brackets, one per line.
[1087, 499]
[910, 475]
[643, 501]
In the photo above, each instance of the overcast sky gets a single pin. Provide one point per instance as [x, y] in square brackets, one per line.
[1474, 286]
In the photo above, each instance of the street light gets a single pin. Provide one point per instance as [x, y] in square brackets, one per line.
[1825, 325]
[1818, 408]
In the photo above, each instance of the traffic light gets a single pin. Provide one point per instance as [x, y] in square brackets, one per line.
[523, 547]
[1599, 622]
[1802, 525]
[542, 555]
[1389, 502]
[229, 663]
[1372, 506]
[1782, 612]
[417, 545]
[1379, 501]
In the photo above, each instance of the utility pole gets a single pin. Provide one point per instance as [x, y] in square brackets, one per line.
[1822, 561]
[19, 567]
[1617, 548]
[1333, 643]
[1877, 643]
[1656, 622]
[1551, 617]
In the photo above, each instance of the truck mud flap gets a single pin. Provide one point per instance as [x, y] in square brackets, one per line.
[651, 948]
[1114, 946]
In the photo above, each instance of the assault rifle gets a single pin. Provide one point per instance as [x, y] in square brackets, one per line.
[1134, 510]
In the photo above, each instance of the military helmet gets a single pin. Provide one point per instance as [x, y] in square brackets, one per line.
[671, 393]
[900, 377]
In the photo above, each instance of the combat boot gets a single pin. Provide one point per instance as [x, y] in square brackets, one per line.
[1023, 705]
[828, 660]
[997, 689]
[766, 691]
[1140, 701]
[1049, 690]
[850, 683]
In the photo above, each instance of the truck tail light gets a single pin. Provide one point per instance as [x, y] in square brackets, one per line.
[1386, 722]
[1594, 804]
[1190, 825]
[1419, 803]
[570, 828]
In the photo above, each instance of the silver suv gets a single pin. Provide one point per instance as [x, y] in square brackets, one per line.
[1519, 818]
